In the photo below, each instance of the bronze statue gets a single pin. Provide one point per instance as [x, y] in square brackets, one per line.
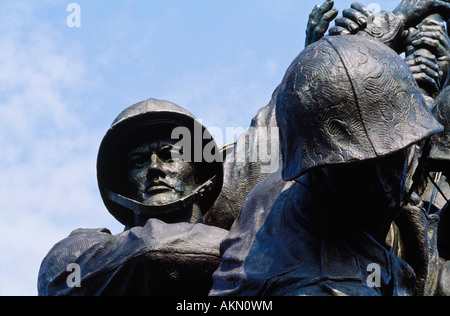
[353, 210]
[349, 110]
[127, 178]
[160, 191]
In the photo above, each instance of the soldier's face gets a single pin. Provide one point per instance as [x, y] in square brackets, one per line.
[155, 177]
[376, 184]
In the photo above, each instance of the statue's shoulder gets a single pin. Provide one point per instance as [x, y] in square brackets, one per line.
[78, 241]
[53, 269]
[90, 231]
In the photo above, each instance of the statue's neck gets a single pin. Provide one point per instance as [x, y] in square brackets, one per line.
[192, 215]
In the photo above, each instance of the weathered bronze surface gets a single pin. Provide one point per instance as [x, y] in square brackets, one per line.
[345, 132]
[358, 206]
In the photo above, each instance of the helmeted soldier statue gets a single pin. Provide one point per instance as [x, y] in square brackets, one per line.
[349, 111]
[152, 164]
[158, 172]
[407, 30]
[418, 29]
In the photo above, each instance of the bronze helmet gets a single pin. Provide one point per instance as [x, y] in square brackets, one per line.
[138, 120]
[346, 99]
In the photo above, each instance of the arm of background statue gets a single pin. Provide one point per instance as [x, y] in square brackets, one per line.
[426, 45]
[319, 20]
[390, 27]
[428, 55]
[412, 12]
[353, 20]
[359, 20]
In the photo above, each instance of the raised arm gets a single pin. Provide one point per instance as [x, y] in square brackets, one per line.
[428, 56]
[319, 21]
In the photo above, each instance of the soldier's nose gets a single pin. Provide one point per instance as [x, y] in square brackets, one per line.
[155, 166]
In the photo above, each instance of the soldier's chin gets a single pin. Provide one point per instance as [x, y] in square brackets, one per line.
[161, 198]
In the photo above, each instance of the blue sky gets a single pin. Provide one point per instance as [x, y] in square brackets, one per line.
[61, 88]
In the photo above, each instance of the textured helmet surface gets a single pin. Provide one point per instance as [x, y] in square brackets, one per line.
[440, 150]
[139, 121]
[346, 99]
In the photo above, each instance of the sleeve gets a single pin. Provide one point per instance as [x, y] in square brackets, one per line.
[157, 259]
[53, 273]
[386, 27]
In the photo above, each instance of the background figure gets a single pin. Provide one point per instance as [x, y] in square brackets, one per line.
[415, 28]
[246, 162]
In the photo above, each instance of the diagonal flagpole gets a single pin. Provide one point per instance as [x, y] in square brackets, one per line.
[437, 180]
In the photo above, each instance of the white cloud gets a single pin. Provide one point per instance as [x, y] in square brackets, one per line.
[48, 155]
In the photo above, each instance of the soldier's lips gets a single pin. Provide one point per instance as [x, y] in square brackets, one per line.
[158, 188]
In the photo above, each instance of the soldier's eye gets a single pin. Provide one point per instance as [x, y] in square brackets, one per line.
[137, 161]
[166, 154]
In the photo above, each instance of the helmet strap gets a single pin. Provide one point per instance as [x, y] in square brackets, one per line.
[172, 209]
